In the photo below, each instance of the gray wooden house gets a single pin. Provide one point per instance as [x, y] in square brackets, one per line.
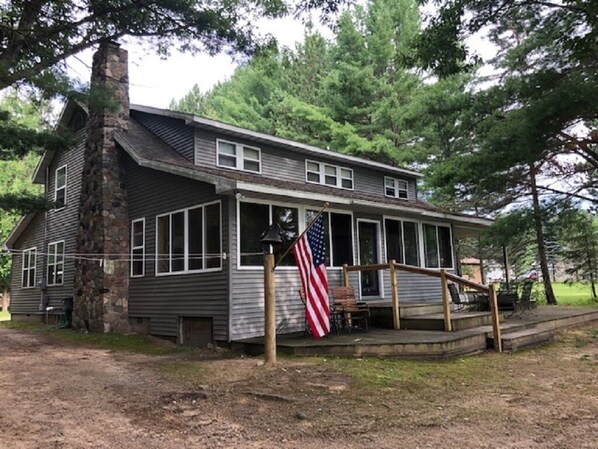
[199, 194]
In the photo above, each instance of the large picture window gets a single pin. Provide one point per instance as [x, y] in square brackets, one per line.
[56, 263]
[438, 246]
[28, 272]
[60, 188]
[239, 157]
[402, 241]
[138, 247]
[189, 240]
[338, 237]
[255, 219]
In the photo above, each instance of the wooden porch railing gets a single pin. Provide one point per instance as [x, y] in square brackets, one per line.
[444, 277]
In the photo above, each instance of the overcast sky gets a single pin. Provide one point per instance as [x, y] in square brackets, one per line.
[154, 82]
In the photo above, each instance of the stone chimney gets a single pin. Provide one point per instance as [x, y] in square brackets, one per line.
[101, 293]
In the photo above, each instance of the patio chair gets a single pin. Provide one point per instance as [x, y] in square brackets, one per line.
[354, 313]
[456, 297]
[471, 302]
[334, 317]
[525, 302]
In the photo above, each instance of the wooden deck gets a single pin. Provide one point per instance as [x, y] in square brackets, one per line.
[518, 332]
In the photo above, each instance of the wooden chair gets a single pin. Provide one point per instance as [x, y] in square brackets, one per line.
[334, 325]
[351, 310]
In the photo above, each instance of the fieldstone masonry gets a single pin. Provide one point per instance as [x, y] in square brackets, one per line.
[102, 275]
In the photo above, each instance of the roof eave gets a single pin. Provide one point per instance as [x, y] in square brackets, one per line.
[221, 184]
[17, 231]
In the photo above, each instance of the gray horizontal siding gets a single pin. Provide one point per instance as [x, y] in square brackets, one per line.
[163, 299]
[248, 302]
[287, 165]
[27, 300]
[62, 225]
[247, 293]
[172, 131]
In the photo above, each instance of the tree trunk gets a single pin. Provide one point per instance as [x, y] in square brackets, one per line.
[591, 270]
[5, 300]
[550, 298]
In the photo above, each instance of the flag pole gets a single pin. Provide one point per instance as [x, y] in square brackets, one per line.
[309, 226]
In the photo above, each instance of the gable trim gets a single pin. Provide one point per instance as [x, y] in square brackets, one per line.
[17, 231]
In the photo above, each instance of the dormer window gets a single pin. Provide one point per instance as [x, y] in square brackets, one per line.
[395, 188]
[60, 188]
[238, 156]
[329, 175]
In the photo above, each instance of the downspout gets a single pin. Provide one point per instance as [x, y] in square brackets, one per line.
[43, 283]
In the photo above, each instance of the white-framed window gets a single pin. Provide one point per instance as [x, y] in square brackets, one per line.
[338, 237]
[189, 240]
[60, 187]
[56, 263]
[438, 246]
[138, 247]
[238, 156]
[396, 188]
[28, 271]
[329, 175]
[402, 241]
[255, 217]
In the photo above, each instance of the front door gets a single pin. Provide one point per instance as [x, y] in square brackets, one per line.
[368, 254]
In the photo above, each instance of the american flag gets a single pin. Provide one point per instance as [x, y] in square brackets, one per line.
[309, 255]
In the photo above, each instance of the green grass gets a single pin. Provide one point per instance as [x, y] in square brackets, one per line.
[576, 294]
[133, 343]
[22, 325]
[4, 316]
[414, 374]
[115, 342]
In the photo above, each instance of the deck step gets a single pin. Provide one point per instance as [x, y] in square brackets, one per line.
[524, 338]
[460, 321]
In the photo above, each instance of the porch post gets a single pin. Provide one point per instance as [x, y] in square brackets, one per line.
[395, 296]
[495, 318]
[448, 325]
[345, 275]
[269, 310]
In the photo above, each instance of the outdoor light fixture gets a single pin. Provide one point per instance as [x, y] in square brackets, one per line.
[272, 240]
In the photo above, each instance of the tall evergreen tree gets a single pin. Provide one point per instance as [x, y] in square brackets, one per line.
[37, 37]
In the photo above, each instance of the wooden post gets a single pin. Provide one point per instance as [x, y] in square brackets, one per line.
[269, 310]
[345, 275]
[448, 325]
[396, 320]
[495, 318]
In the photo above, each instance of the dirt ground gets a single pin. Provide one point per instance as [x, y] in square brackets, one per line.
[59, 395]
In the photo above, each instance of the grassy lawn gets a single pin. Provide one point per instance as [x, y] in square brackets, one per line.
[142, 344]
[4, 316]
[577, 294]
